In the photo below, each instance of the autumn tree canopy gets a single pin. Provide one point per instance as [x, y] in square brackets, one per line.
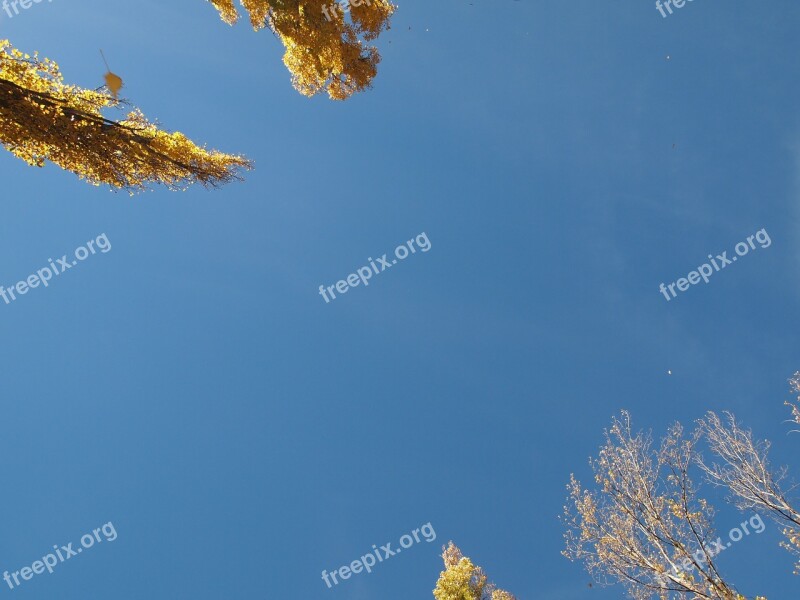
[462, 580]
[326, 48]
[44, 119]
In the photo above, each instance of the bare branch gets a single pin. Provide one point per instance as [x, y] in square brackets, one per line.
[646, 527]
[745, 471]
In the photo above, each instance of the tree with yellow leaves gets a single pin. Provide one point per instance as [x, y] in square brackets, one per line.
[43, 119]
[462, 580]
[325, 50]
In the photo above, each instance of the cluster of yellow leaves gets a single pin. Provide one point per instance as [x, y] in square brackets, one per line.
[462, 580]
[43, 119]
[321, 53]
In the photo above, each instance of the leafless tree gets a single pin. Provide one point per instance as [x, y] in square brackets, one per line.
[645, 526]
[744, 469]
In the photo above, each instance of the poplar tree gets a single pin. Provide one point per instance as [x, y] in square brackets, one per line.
[44, 119]
[326, 45]
[462, 580]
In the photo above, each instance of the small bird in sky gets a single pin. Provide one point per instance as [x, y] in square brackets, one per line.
[669, 372]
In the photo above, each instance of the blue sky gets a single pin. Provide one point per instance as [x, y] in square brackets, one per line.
[193, 388]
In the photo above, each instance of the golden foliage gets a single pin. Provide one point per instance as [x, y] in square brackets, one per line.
[321, 53]
[43, 119]
[462, 580]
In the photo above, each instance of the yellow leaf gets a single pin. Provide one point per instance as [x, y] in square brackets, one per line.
[114, 84]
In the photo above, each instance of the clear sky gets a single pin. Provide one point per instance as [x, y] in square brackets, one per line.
[192, 387]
